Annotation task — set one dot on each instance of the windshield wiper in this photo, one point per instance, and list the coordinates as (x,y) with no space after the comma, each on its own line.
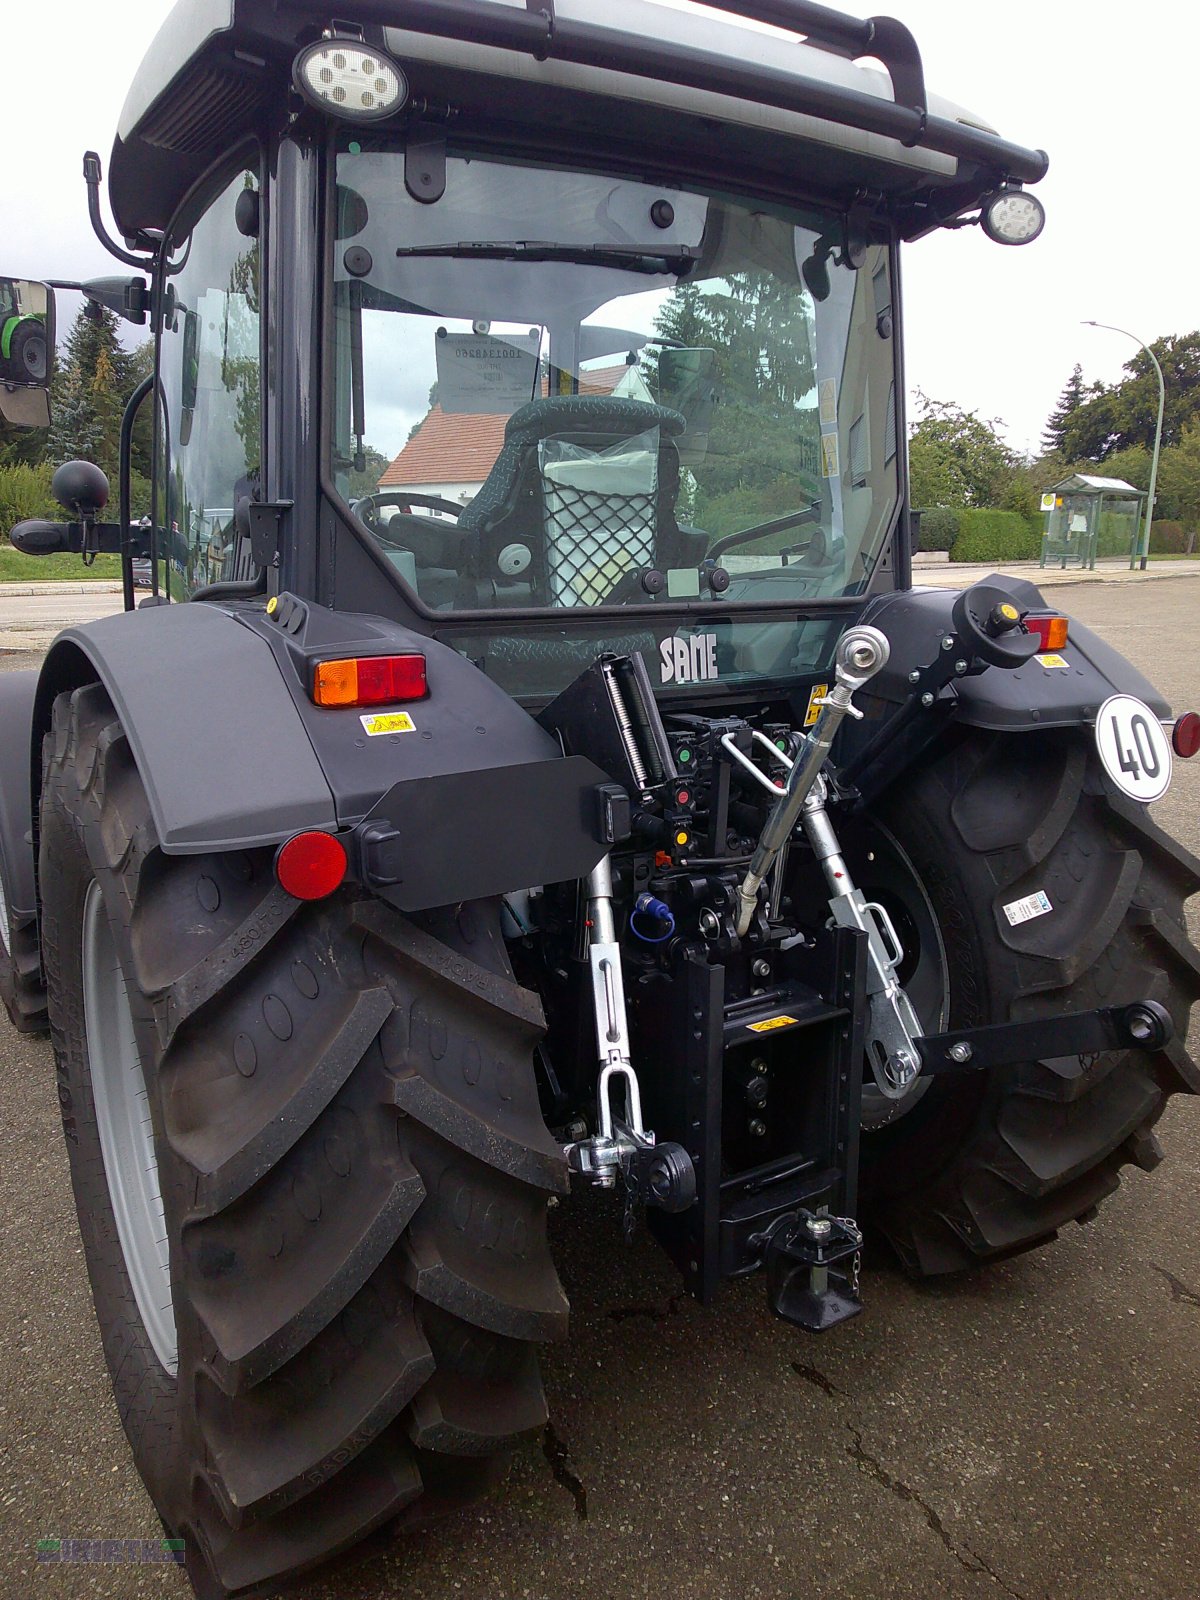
(678,261)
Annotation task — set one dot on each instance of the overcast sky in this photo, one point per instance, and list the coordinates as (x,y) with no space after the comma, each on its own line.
(1110,93)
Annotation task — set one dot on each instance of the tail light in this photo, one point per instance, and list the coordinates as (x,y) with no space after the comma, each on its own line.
(369,681)
(1052,631)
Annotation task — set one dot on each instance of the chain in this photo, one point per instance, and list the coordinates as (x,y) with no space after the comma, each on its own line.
(630,1220)
(855,1232)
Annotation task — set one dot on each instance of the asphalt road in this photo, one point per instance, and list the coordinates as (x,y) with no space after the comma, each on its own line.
(1033,1433)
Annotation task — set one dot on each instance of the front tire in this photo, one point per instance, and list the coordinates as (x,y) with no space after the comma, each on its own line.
(353,1172)
(988,1164)
(28,355)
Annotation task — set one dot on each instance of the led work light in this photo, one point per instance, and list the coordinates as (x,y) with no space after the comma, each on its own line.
(350,80)
(1013,217)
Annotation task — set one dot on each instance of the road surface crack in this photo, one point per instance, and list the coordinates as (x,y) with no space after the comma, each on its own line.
(816,1377)
(559,1457)
(966,1558)
(1181,1295)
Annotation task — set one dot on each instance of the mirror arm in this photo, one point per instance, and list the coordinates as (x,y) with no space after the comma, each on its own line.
(38,536)
(91,176)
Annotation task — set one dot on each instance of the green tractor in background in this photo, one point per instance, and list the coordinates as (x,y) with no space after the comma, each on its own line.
(24,349)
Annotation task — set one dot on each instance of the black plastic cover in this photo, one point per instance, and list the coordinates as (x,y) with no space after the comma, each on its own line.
(1029,696)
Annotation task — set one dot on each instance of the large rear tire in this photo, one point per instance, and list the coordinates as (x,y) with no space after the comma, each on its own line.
(22,987)
(340,1326)
(988,1164)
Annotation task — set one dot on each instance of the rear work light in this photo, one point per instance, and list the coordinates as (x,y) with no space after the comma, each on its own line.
(1185,735)
(1052,631)
(369,681)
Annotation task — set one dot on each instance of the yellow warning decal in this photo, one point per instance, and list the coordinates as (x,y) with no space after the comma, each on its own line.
(388,722)
(819,691)
(1053,661)
(772,1023)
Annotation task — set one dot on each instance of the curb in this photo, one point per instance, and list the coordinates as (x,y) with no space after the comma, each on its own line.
(66,586)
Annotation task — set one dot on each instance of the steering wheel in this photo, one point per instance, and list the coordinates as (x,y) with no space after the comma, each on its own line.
(793,519)
(370,505)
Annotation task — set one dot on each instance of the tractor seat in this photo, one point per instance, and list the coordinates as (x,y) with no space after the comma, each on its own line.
(581,495)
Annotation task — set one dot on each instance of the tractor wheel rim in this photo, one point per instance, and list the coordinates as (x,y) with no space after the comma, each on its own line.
(126,1130)
(928,987)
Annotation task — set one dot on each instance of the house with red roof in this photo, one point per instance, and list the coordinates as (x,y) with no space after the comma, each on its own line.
(451,453)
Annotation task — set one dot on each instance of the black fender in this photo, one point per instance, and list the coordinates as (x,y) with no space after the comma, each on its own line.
(18,691)
(475,798)
(1029,696)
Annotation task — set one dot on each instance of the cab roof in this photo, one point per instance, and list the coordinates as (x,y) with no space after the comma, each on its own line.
(782,75)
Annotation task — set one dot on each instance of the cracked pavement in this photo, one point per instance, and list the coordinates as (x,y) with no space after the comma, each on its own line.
(1029,1434)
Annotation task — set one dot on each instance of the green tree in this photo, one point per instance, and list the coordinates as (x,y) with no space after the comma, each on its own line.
(1069,401)
(1116,417)
(762,456)
(94,380)
(1179,481)
(375,464)
(958,456)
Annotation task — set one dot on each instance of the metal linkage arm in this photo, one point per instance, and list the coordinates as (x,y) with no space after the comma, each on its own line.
(861,652)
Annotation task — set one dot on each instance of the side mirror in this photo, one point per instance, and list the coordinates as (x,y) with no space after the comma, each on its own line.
(26,351)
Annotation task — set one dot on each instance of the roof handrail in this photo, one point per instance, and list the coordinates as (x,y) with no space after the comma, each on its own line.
(539,33)
(885,38)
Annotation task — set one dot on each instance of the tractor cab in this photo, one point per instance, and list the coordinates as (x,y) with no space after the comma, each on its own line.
(533,767)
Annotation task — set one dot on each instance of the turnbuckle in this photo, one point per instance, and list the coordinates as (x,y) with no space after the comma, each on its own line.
(654,1174)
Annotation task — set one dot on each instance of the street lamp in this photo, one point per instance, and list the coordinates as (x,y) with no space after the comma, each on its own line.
(1162,400)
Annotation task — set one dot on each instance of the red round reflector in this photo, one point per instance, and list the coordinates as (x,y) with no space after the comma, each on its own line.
(1185,736)
(311,865)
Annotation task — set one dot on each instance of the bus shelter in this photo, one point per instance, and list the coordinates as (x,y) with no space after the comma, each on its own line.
(1086,517)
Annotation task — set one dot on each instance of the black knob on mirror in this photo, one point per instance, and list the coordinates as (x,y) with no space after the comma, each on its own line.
(81,487)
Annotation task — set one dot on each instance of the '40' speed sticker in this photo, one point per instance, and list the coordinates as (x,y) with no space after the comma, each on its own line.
(1133,747)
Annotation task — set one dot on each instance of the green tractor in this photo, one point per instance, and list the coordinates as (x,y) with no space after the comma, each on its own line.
(587,799)
(24,352)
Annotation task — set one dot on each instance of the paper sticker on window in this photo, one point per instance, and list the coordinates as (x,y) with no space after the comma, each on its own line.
(486,374)
(829,455)
(1033,905)
(827,389)
(388,722)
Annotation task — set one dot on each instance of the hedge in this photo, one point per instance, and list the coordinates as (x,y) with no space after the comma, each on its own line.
(1167,539)
(24,492)
(986,535)
(939,528)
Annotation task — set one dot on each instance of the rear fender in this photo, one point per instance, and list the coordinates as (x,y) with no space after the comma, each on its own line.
(473,797)
(1031,696)
(18,691)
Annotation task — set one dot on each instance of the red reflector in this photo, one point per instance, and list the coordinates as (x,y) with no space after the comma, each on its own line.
(310,865)
(1052,631)
(1185,736)
(369,680)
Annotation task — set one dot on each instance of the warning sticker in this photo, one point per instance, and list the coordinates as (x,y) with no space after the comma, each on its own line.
(388,722)
(819,691)
(827,391)
(1053,661)
(829,455)
(771,1023)
(1033,905)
